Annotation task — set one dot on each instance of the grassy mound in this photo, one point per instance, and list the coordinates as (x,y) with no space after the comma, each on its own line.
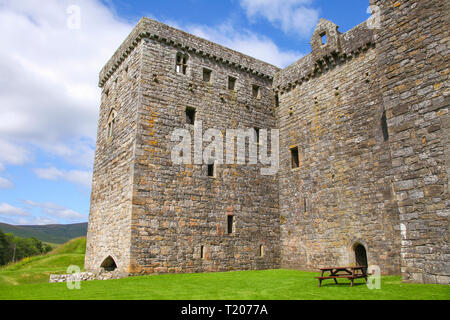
(37,269)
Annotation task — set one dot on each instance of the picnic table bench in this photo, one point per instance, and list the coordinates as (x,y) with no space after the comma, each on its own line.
(350,273)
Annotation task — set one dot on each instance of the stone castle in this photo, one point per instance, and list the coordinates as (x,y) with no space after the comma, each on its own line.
(364,152)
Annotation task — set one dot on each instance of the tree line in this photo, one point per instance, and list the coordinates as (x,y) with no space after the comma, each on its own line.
(14,248)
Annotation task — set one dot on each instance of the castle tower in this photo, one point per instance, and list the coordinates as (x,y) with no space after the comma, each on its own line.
(153,216)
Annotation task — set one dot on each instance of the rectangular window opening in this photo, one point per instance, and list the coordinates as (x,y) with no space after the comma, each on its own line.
(261,250)
(277,100)
(231,83)
(202,252)
(211,170)
(257,134)
(207,75)
(323,36)
(384,127)
(190,115)
(256,91)
(181,64)
(295,160)
(230,220)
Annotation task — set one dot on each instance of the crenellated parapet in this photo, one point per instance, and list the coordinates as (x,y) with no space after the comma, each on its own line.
(329,48)
(151,29)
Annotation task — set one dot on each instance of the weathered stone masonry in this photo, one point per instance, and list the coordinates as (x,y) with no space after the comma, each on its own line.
(367,112)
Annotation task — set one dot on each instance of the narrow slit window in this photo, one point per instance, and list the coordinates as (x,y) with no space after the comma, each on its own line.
(181,64)
(277,100)
(111,123)
(231,83)
(261,250)
(384,126)
(207,75)
(295,160)
(190,115)
(202,252)
(257,134)
(230,220)
(256,91)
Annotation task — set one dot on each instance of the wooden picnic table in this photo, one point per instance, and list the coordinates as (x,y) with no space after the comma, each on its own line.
(350,273)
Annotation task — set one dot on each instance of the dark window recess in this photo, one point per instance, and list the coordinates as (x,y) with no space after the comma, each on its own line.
(202,252)
(231,83)
(261,250)
(256,91)
(207,75)
(257,134)
(384,126)
(190,115)
(295,161)
(277,100)
(210,170)
(230,224)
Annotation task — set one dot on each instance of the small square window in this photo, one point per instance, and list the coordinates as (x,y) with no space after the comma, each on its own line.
(190,115)
(231,83)
(256,91)
(295,160)
(207,75)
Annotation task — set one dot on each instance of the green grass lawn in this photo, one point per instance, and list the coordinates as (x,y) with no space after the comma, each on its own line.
(29,280)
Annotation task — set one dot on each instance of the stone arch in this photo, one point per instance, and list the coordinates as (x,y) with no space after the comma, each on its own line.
(360,254)
(109,264)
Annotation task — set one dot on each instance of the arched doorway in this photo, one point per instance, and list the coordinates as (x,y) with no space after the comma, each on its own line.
(109,264)
(360,255)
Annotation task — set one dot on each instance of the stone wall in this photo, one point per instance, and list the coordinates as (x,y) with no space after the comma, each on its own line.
(413,70)
(341,194)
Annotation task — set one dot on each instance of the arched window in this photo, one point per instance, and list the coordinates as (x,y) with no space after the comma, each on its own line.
(109,264)
(181,65)
(111,123)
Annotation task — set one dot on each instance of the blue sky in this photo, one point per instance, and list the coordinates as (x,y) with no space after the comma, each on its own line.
(49,97)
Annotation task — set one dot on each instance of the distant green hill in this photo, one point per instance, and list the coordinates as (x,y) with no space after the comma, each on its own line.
(53,233)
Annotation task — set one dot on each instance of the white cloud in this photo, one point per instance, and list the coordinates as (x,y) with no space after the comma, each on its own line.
(48,89)
(244,41)
(56,210)
(83,178)
(291,16)
(11,211)
(6,184)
